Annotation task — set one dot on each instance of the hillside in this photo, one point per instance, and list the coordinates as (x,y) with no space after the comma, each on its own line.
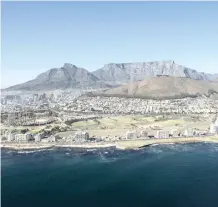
(165,87)
(68,76)
(125,72)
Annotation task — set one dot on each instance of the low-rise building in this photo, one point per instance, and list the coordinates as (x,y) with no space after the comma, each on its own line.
(189,133)
(144,134)
(174,133)
(23,137)
(131,135)
(81,136)
(52,139)
(46,140)
(162,134)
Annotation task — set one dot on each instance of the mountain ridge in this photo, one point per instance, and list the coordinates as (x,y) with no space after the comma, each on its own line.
(125,72)
(68,76)
(110,75)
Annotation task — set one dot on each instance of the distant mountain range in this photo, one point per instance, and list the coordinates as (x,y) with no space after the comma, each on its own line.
(111,75)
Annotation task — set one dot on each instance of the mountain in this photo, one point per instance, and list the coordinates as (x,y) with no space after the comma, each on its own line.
(165,87)
(126,72)
(111,75)
(68,76)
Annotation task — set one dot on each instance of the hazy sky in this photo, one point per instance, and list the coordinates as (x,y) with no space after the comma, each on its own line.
(37,36)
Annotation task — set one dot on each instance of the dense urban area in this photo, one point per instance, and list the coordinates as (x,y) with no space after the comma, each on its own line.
(45,117)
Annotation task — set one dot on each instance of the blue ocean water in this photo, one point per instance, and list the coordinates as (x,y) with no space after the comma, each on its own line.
(170,175)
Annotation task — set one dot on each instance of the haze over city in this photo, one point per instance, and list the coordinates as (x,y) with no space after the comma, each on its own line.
(89,35)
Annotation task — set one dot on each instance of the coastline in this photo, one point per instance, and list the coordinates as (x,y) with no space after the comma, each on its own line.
(124,144)
(136,144)
(27,146)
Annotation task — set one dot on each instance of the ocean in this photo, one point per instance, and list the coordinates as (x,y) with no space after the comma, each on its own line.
(184,175)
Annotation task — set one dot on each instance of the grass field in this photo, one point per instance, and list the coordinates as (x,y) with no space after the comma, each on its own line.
(118,125)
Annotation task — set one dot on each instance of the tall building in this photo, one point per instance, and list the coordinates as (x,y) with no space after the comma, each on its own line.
(214,126)
(216,122)
(11,137)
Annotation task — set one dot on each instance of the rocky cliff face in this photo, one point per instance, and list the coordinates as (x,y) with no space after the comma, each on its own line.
(68,76)
(126,72)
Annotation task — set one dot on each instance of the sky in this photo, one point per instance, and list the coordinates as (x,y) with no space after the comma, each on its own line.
(38,36)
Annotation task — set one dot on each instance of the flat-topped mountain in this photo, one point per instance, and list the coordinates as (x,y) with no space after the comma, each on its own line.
(68,76)
(125,72)
(165,87)
(111,75)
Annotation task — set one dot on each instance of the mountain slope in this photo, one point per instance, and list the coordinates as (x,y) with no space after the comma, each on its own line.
(126,72)
(165,87)
(68,76)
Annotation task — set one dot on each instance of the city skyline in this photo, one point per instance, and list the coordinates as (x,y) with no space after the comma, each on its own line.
(91,34)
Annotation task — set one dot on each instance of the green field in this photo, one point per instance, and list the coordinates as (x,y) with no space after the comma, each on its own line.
(118,125)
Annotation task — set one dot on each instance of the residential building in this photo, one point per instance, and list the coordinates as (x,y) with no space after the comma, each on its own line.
(131,135)
(162,134)
(189,133)
(144,133)
(11,137)
(38,137)
(174,133)
(81,136)
(23,137)
(52,139)
(213,128)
